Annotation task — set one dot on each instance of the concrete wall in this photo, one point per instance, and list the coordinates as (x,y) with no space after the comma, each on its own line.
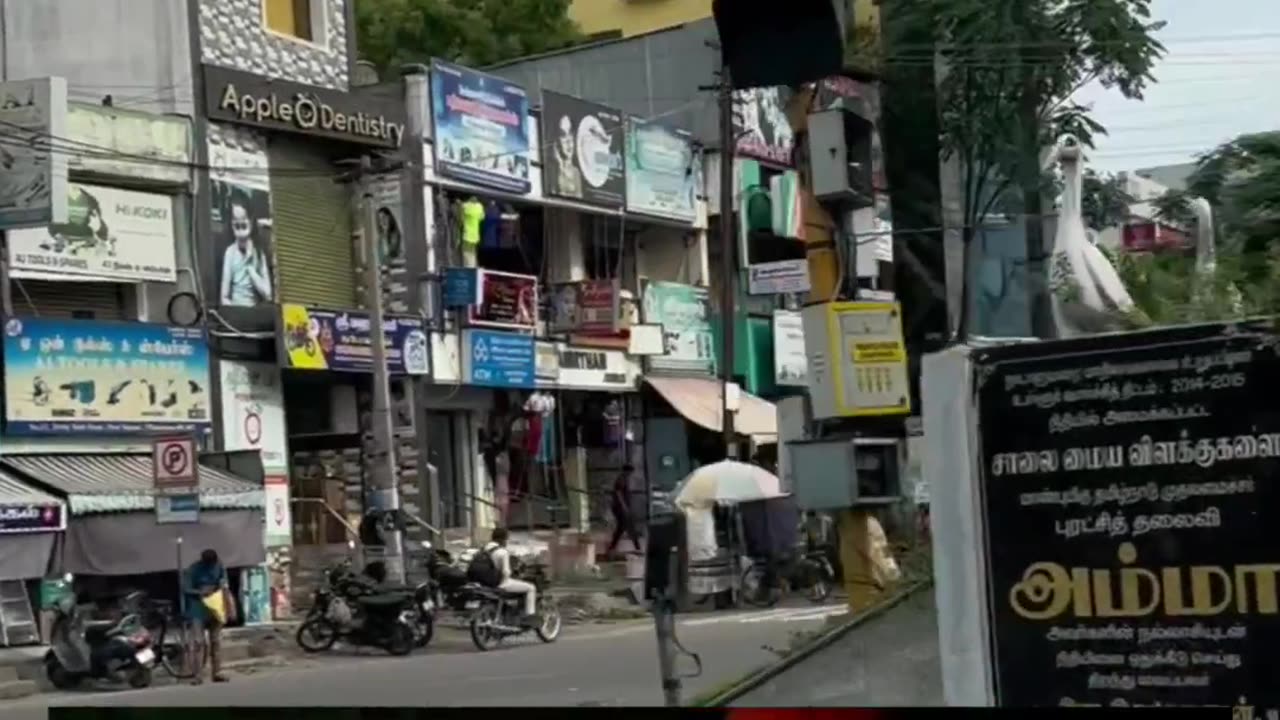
(232,35)
(143,62)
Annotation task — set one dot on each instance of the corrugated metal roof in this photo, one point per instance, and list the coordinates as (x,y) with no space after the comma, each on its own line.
(122,483)
(15,492)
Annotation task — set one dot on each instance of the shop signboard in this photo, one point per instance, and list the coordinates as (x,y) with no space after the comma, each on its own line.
(593,308)
(596,369)
(365,118)
(126,136)
(1130,519)
(33,186)
(782,276)
(32,517)
(684,312)
(663,172)
(111,235)
(253,419)
(339,340)
(499,359)
(81,377)
(583,157)
(546,363)
(506,300)
(461,287)
(481,128)
(790,363)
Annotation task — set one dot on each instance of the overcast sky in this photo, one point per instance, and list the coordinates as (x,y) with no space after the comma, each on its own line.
(1221,78)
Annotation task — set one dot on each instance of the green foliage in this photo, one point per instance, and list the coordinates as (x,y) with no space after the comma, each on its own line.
(472,32)
(1241,180)
(1104,203)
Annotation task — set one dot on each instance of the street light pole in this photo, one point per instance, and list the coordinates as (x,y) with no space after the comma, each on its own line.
(728,260)
(385,496)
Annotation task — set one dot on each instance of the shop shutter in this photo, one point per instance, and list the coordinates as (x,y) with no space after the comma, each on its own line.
(87,300)
(311,227)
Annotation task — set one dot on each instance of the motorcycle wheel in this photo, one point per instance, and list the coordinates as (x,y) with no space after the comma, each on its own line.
(424,629)
(484,632)
(401,640)
(140,677)
(819,591)
(548,629)
(60,677)
(316,635)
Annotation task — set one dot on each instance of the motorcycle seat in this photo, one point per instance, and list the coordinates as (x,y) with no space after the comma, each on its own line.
(382,600)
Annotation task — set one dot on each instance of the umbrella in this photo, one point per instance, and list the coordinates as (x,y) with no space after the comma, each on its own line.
(726,481)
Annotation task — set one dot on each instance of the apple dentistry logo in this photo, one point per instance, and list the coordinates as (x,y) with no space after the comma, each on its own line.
(13,328)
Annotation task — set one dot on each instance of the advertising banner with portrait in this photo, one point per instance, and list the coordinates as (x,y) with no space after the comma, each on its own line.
(663,173)
(684,312)
(506,300)
(91,377)
(583,156)
(241,207)
(481,128)
(318,339)
(1126,485)
(761,126)
(110,235)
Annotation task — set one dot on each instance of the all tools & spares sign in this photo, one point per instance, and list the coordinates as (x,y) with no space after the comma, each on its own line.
(1131,508)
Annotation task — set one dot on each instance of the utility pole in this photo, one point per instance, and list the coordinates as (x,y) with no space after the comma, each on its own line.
(385,495)
(728,259)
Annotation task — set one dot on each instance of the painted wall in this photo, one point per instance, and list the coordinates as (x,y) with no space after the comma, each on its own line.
(232,35)
(137,51)
(632,18)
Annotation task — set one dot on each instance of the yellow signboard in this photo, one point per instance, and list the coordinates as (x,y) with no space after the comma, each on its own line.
(870,368)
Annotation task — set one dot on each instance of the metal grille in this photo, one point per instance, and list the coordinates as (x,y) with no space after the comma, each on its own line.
(87,300)
(311,228)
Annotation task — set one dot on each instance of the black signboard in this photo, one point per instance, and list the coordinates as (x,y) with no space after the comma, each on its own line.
(1131,504)
(582,154)
(30,518)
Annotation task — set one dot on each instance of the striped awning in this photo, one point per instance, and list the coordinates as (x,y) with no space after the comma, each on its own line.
(15,493)
(123,483)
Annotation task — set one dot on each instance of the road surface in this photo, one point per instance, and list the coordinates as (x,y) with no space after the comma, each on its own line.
(609,665)
(891,660)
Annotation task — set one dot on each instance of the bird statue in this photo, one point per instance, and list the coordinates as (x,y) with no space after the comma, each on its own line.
(1087,294)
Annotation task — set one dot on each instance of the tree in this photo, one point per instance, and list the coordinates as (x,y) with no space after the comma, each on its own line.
(471,32)
(1104,203)
(1007,70)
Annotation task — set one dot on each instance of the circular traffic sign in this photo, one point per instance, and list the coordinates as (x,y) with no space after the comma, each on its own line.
(174,459)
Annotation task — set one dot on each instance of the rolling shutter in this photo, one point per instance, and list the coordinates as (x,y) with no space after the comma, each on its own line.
(85,300)
(311,227)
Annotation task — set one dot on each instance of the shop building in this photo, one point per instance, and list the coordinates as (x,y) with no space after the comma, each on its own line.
(570,213)
(282,126)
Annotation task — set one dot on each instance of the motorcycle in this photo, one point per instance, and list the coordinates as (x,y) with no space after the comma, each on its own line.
(355,610)
(84,649)
(452,590)
(500,613)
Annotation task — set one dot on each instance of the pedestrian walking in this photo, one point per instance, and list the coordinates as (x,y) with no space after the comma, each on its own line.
(208,607)
(620,505)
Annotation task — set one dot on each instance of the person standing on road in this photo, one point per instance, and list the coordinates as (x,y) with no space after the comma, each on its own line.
(497,551)
(620,505)
(205,577)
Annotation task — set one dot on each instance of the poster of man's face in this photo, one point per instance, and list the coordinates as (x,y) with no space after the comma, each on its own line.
(242,228)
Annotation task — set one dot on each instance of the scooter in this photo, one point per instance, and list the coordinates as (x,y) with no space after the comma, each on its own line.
(83,649)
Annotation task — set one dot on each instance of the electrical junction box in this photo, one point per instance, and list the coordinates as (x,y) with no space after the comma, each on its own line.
(842,473)
(840,156)
(857,360)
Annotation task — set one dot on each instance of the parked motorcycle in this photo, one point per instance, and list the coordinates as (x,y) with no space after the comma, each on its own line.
(452,589)
(84,649)
(355,610)
(500,614)
(810,571)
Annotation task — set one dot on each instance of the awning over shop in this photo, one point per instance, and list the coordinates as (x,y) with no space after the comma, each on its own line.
(123,483)
(29,522)
(699,401)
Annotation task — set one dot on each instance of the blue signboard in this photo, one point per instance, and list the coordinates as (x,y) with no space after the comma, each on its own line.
(461,287)
(91,377)
(499,359)
(481,128)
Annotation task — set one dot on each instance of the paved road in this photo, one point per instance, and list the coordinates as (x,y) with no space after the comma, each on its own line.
(892,660)
(612,665)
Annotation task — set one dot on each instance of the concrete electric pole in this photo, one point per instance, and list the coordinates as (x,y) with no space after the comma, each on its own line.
(384,494)
(728,260)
